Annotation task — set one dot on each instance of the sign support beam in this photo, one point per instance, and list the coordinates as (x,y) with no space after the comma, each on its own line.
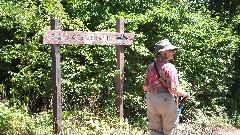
(120,69)
(56,82)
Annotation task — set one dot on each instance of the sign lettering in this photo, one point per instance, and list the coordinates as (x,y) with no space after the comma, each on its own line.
(92,38)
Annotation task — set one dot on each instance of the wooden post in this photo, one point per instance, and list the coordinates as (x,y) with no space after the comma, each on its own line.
(56,82)
(120,69)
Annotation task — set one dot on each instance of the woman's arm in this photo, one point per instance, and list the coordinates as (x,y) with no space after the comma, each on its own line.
(179,92)
(145,88)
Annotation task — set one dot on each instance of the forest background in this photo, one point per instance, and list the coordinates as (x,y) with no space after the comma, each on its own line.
(208,61)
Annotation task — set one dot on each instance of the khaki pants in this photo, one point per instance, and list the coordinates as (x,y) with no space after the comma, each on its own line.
(161,112)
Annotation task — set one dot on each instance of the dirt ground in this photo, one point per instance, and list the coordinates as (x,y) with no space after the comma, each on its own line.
(185,129)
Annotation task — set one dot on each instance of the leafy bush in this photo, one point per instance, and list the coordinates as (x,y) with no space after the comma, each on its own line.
(208,58)
(14,121)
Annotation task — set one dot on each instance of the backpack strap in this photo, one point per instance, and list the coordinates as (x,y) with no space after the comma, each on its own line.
(160,78)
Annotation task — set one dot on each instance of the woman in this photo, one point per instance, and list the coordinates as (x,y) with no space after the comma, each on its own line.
(161,106)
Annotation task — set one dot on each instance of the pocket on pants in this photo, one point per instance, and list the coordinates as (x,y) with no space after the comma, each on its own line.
(174,109)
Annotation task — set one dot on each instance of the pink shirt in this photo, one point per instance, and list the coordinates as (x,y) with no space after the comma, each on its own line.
(167,71)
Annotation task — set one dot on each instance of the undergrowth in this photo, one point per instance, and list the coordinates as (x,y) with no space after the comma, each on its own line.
(15,121)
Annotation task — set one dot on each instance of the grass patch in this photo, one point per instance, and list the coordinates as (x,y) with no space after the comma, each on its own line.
(15,121)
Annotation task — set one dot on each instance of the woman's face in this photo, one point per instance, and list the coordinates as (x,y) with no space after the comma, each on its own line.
(169,54)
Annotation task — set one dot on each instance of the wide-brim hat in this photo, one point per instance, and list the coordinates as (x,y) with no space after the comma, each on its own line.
(164,45)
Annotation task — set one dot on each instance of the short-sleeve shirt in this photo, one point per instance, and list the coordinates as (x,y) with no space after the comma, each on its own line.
(167,71)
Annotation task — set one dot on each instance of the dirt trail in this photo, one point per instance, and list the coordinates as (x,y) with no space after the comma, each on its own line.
(185,129)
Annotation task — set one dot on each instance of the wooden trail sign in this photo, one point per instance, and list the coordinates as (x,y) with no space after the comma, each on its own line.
(55,37)
(91,38)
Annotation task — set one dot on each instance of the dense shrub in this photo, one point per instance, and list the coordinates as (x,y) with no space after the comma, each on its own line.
(207,59)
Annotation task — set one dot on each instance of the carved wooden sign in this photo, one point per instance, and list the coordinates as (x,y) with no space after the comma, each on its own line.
(55,37)
(91,38)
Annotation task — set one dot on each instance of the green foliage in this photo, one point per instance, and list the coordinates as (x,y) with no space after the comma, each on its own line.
(4,117)
(26,63)
(14,121)
(208,58)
